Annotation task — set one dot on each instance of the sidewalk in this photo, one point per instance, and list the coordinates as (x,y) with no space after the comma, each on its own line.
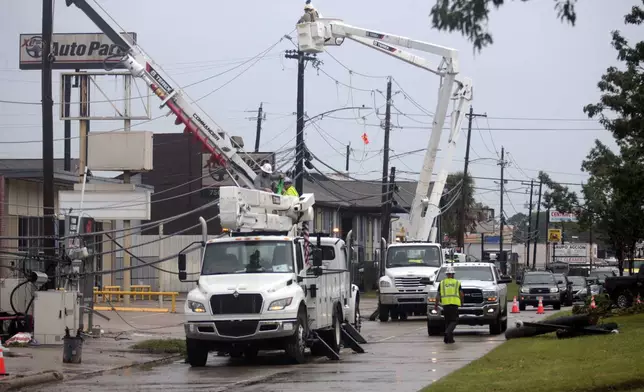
(26,365)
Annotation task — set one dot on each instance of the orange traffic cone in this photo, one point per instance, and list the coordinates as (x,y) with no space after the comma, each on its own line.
(3,370)
(592,302)
(515,306)
(540,307)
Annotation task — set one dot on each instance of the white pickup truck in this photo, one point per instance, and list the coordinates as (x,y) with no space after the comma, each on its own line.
(255,292)
(409,268)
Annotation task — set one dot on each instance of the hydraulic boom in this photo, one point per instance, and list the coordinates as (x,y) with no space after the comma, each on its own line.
(314,36)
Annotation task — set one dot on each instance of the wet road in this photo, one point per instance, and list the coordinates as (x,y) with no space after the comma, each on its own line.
(400,356)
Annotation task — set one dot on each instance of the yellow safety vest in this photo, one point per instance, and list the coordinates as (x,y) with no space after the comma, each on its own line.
(450,290)
(291,192)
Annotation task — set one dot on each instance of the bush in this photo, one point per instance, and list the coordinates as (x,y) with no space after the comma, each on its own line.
(604,308)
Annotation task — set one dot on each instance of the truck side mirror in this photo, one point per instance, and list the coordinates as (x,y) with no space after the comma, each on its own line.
(181,261)
(317,257)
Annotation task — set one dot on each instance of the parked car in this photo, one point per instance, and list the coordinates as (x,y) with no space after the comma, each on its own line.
(578,287)
(539,284)
(565,289)
(624,289)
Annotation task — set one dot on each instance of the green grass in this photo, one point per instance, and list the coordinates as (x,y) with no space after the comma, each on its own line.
(546,364)
(161,346)
(513,290)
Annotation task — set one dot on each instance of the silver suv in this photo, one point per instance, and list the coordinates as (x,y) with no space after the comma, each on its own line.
(486,298)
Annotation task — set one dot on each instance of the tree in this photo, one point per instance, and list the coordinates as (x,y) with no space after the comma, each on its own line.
(474,211)
(622,90)
(470,17)
(614,202)
(557,196)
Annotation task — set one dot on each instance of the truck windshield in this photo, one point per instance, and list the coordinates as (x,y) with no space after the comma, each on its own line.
(469,273)
(577,280)
(253,257)
(539,279)
(414,256)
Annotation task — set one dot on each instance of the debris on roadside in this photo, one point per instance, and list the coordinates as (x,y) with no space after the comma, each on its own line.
(564,327)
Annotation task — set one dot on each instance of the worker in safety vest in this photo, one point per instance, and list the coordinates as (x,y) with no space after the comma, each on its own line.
(450,296)
(289,189)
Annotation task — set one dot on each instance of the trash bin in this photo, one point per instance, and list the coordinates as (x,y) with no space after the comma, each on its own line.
(72,349)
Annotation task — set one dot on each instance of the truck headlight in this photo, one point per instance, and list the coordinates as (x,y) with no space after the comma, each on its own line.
(525,290)
(196,307)
(490,296)
(280,304)
(384,284)
(554,289)
(431,298)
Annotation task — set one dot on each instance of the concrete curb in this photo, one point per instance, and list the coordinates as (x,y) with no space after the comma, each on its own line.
(30,379)
(50,376)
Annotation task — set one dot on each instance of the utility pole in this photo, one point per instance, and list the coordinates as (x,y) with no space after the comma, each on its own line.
(385,164)
(258,134)
(48,144)
(530,224)
(127,240)
(536,240)
(503,261)
(464,195)
(300,149)
(348,155)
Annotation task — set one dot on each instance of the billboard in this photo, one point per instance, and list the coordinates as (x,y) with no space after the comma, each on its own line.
(218,176)
(571,250)
(72,51)
(558,217)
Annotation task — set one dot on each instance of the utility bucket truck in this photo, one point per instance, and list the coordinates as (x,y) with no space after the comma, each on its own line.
(258,289)
(407,268)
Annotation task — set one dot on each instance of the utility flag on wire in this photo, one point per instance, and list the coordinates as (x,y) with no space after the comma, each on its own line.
(365,138)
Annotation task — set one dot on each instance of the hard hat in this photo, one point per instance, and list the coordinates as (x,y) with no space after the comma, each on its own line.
(450,270)
(308,7)
(287,180)
(267,168)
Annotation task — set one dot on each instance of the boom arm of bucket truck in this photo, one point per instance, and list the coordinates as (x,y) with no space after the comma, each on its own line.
(314,36)
(240,208)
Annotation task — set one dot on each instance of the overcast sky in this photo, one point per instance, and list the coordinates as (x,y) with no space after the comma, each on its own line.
(532,83)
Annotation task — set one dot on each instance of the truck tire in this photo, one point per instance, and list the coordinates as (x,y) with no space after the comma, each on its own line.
(624,299)
(197,353)
(496,327)
(296,344)
(434,329)
(334,337)
(383,313)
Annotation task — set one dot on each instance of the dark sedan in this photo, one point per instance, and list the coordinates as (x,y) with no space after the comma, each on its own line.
(538,284)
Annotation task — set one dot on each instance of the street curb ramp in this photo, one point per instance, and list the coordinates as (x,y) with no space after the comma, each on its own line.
(30,379)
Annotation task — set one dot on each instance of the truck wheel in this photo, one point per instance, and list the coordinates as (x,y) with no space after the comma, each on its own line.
(197,353)
(334,337)
(296,344)
(624,300)
(383,313)
(435,330)
(496,328)
(394,314)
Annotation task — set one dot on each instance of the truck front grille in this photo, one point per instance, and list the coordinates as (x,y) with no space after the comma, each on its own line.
(408,282)
(473,296)
(540,290)
(236,328)
(240,304)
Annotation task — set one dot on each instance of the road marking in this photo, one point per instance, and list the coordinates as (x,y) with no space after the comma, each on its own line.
(396,336)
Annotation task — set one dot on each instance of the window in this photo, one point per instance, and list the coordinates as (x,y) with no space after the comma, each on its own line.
(237,257)
(299,259)
(539,279)
(328,253)
(414,256)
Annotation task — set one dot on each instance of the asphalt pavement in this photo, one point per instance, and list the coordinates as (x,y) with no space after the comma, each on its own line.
(400,356)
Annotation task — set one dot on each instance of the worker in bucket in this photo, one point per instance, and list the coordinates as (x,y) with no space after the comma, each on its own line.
(310,14)
(289,189)
(450,296)
(264,181)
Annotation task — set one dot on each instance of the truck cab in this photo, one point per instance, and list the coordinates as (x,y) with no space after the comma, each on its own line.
(257,293)
(409,268)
